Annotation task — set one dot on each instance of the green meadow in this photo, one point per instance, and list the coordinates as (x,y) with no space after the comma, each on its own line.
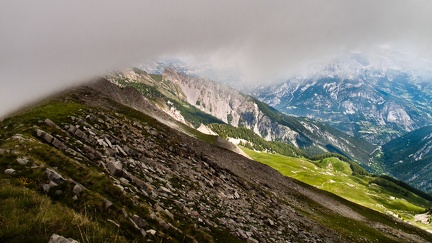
(335,176)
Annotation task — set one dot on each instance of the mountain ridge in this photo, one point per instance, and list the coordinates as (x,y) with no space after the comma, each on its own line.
(237,109)
(375,101)
(410,157)
(148,181)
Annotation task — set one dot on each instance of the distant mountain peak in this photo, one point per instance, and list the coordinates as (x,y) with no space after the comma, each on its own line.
(380,64)
(377,97)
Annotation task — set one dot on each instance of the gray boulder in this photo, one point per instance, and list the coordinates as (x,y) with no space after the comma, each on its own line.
(54,176)
(51,124)
(108,203)
(77,189)
(58,144)
(22,161)
(91,153)
(55,238)
(10,171)
(81,134)
(45,136)
(47,187)
(140,222)
(72,129)
(115,167)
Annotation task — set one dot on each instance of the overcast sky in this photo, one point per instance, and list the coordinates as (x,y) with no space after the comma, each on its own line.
(49,45)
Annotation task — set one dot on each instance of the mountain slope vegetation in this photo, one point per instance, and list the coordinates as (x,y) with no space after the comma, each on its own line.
(117,168)
(183,97)
(409,157)
(381,193)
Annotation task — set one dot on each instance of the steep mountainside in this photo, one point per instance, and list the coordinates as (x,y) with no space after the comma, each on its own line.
(409,158)
(87,164)
(377,100)
(178,91)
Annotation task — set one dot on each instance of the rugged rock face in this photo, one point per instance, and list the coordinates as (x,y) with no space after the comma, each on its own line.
(165,185)
(230,106)
(363,99)
(237,109)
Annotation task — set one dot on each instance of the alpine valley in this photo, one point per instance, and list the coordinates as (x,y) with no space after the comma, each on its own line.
(168,156)
(384,99)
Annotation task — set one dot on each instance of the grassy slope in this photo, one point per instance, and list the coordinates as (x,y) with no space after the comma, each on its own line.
(334,176)
(30,217)
(27,214)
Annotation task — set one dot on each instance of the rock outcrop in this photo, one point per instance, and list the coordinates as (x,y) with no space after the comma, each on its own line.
(55,238)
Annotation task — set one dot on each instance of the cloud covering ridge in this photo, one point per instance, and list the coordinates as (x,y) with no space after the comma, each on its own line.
(49,45)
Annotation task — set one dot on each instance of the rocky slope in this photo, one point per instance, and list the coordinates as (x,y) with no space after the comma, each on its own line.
(127,173)
(377,99)
(409,157)
(239,110)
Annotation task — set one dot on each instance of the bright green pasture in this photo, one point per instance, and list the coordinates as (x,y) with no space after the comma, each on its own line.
(334,175)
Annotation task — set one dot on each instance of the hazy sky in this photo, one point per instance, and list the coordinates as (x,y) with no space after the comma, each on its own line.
(49,45)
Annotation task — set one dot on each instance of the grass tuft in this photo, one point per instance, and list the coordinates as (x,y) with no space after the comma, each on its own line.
(26,216)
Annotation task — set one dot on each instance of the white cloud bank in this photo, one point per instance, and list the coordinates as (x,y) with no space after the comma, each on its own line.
(49,45)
